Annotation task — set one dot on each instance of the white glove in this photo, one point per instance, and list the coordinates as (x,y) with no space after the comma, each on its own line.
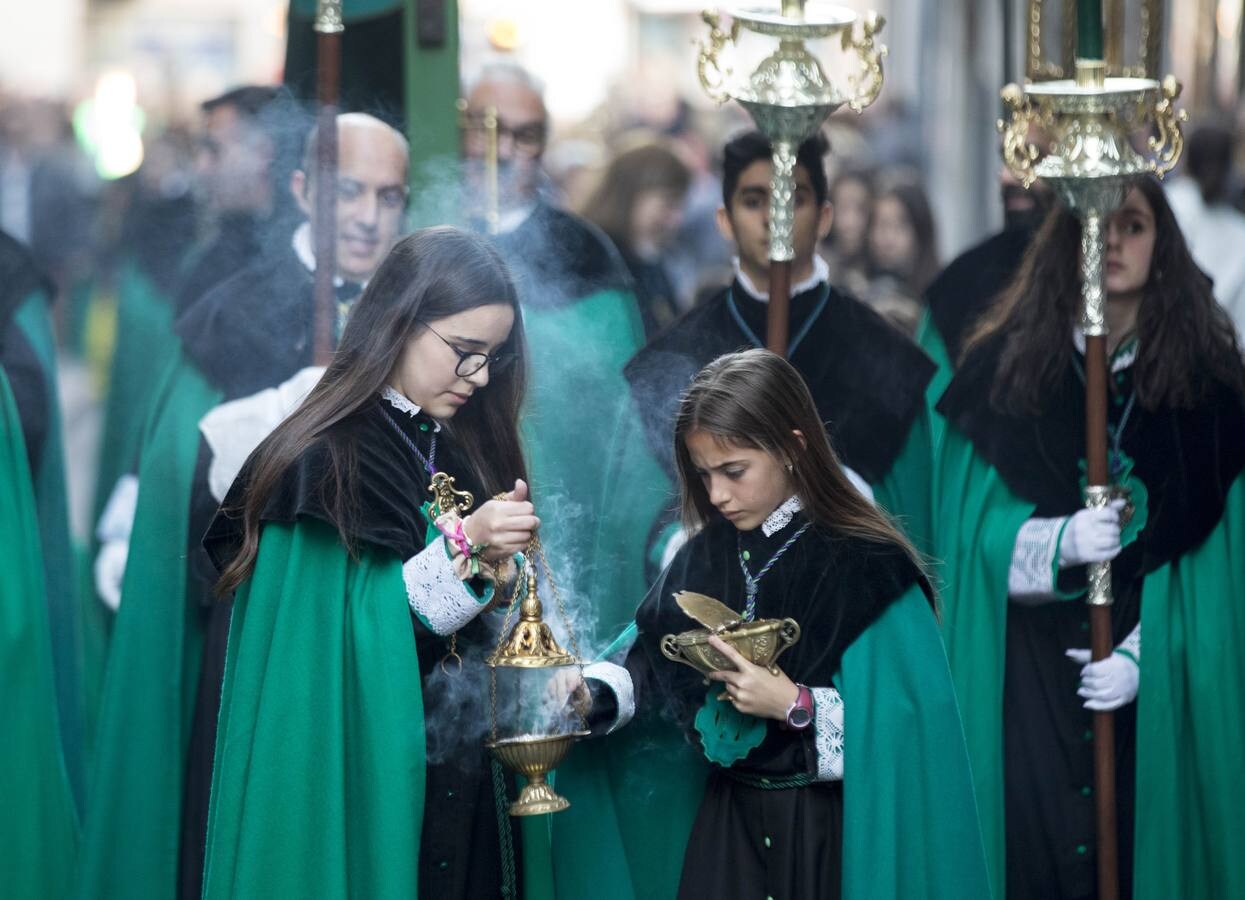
(109,572)
(1109,683)
(1091,535)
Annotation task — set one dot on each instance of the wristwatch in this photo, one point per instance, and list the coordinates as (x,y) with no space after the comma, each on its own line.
(800,713)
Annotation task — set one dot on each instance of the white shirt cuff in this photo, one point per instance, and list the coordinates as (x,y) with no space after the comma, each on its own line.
(440,599)
(618,680)
(117,520)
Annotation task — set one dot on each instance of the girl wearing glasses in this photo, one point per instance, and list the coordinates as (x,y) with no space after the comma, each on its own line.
(358,592)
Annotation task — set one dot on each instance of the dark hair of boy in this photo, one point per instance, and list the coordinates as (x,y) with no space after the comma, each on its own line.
(742,151)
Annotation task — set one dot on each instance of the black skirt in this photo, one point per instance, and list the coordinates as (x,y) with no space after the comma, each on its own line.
(755,843)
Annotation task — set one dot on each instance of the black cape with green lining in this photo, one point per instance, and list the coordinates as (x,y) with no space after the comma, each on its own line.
(673,822)
(1028,732)
(467,846)
(957,300)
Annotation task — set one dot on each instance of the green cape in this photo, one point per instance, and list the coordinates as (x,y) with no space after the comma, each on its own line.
(929,340)
(909,823)
(318,786)
(38,825)
(577,397)
(1190,821)
(145,343)
(133,824)
(65,616)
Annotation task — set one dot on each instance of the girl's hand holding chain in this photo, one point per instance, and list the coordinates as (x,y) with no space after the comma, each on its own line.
(504,526)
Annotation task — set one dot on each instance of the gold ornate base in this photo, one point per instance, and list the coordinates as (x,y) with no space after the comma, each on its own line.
(538,798)
(534,757)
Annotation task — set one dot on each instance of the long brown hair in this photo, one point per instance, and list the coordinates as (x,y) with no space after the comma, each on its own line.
(909,194)
(757,399)
(1185,341)
(648,166)
(428,275)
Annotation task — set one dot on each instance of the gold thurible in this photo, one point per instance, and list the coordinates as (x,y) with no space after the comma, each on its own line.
(530,645)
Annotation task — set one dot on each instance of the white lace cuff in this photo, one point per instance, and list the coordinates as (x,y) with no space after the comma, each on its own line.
(618,680)
(1035,558)
(117,520)
(828,733)
(438,597)
(1131,645)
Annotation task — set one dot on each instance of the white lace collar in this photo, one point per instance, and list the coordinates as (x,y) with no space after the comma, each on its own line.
(781,517)
(399,401)
(821,273)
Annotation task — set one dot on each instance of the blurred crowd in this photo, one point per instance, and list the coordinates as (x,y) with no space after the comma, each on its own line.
(646,174)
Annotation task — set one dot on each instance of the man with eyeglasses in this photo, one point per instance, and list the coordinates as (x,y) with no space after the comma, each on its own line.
(245,361)
(579,311)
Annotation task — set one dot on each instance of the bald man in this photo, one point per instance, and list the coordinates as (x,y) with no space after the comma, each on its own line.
(245,359)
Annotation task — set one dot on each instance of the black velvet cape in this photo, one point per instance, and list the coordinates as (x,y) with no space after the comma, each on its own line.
(558,258)
(971,283)
(867,379)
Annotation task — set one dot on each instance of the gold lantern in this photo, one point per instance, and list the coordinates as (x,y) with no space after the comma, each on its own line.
(532,731)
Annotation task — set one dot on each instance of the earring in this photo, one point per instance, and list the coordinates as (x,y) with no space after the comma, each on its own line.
(790,467)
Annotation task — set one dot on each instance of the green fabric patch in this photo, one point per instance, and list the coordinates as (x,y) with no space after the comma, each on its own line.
(726,734)
(318,788)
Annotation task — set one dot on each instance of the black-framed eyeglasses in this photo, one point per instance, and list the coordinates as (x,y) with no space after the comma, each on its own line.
(528,138)
(469,362)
